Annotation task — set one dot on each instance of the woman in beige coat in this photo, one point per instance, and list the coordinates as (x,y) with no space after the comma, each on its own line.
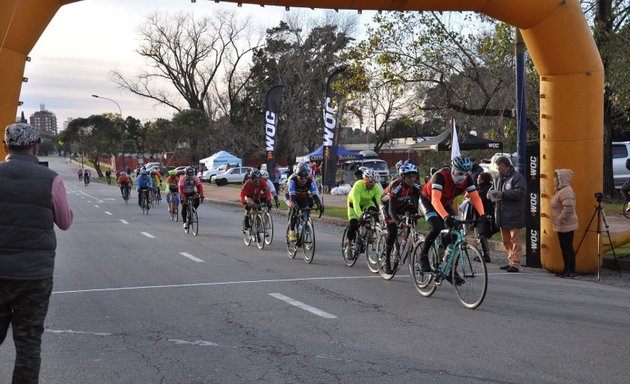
(564,218)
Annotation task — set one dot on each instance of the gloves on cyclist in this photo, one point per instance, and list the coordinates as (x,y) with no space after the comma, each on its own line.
(201,199)
(449,221)
(269,205)
(250,202)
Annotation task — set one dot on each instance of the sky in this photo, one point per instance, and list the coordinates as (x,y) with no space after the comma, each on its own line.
(87,40)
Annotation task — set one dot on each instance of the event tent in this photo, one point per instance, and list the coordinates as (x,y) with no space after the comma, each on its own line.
(442,142)
(318,155)
(220,158)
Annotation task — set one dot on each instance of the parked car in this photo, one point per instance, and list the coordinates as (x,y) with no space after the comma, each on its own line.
(206,176)
(156,165)
(620,162)
(233,175)
(380,166)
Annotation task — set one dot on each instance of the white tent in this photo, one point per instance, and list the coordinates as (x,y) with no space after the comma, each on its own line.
(220,158)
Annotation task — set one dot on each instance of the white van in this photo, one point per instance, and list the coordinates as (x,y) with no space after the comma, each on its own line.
(380,166)
(621,162)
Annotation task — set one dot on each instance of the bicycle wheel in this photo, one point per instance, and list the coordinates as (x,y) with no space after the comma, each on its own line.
(308,241)
(470,276)
(268,221)
(372,251)
(188,217)
(423,281)
(291,245)
(174,213)
(393,262)
(347,253)
(259,231)
(145,205)
(194,222)
(625,209)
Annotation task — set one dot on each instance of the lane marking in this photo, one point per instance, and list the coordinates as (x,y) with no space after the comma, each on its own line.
(124,221)
(97,206)
(191,257)
(108,212)
(79,332)
(202,343)
(150,236)
(301,305)
(192,285)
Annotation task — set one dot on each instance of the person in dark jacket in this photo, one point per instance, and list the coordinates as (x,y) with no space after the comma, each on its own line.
(32,201)
(509,195)
(485,229)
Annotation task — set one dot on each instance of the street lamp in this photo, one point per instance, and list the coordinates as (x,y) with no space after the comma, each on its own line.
(122,131)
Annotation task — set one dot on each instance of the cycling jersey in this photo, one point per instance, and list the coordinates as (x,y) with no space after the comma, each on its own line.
(259,193)
(301,191)
(144,182)
(361,198)
(441,190)
(173,183)
(189,185)
(124,180)
(403,197)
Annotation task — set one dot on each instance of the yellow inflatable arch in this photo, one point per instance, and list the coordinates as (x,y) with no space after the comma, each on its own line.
(558,39)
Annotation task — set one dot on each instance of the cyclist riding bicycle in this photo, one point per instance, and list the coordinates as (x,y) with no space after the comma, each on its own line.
(302,193)
(437,199)
(143,185)
(172,182)
(399,197)
(189,185)
(272,188)
(364,195)
(124,182)
(157,182)
(254,191)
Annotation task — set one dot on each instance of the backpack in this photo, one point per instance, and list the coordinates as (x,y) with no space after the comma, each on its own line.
(189,186)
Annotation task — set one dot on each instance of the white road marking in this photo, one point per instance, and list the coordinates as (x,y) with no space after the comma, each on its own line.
(191,257)
(124,221)
(97,206)
(150,236)
(192,285)
(301,305)
(202,343)
(108,212)
(79,332)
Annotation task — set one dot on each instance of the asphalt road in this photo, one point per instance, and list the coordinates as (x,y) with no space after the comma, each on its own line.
(136,300)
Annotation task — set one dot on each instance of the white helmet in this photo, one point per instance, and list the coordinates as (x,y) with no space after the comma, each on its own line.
(370,175)
(264,174)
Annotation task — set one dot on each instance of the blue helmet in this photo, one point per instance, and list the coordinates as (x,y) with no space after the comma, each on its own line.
(461,164)
(144,172)
(408,168)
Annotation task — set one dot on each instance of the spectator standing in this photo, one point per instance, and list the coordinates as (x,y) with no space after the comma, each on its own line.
(476,169)
(485,229)
(564,218)
(108,176)
(509,196)
(32,202)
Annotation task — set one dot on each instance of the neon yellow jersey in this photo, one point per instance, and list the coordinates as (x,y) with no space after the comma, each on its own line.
(360,198)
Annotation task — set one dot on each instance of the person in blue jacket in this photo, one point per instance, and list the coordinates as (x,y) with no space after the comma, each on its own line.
(143,184)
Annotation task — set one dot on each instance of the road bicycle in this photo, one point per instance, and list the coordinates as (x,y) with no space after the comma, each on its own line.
(145,204)
(125,193)
(408,240)
(305,235)
(268,224)
(173,205)
(256,230)
(459,263)
(155,198)
(365,241)
(191,216)
(86,180)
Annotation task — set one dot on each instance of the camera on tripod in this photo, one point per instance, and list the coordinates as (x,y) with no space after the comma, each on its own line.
(599,197)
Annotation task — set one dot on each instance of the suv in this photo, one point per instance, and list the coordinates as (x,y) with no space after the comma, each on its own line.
(620,162)
(380,166)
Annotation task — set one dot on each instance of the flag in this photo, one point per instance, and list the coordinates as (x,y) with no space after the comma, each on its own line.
(272,114)
(454,142)
(331,133)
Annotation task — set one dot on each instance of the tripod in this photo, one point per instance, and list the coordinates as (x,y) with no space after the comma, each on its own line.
(601,216)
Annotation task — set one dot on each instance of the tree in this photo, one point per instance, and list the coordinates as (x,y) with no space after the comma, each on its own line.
(187,55)
(94,135)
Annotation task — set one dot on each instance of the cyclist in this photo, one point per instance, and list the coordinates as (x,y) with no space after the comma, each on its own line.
(86,177)
(364,195)
(124,182)
(143,185)
(400,196)
(172,182)
(157,183)
(254,191)
(189,185)
(272,188)
(302,193)
(437,199)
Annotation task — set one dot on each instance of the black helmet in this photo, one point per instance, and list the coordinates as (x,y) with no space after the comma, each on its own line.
(190,171)
(255,175)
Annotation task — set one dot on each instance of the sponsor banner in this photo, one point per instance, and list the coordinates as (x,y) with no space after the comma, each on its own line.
(272,114)
(331,132)
(532,222)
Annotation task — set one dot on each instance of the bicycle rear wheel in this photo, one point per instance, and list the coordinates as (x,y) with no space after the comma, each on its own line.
(194,222)
(626,209)
(372,251)
(308,241)
(268,221)
(174,211)
(382,259)
(291,245)
(347,252)
(423,281)
(259,231)
(470,276)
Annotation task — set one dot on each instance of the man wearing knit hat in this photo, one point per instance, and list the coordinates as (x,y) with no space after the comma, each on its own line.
(33,199)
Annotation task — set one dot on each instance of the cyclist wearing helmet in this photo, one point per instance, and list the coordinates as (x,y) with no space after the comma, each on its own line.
(399,197)
(437,199)
(270,186)
(124,182)
(172,182)
(254,191)
(302,193)
(143,184)
(364,195)
(157,182)
(189,185)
